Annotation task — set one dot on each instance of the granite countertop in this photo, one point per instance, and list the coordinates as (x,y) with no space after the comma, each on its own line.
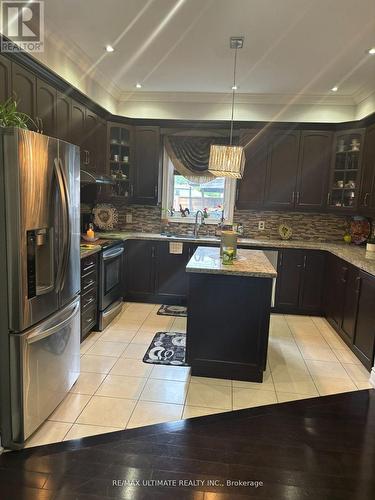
(251,263)
(350,253)
(87,250)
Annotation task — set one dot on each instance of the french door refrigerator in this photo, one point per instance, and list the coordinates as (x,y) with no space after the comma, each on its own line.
(39,278)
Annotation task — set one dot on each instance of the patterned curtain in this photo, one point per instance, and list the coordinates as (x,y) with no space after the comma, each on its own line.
(190,155)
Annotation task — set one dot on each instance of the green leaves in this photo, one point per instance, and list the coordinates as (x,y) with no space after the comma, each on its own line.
(10,117)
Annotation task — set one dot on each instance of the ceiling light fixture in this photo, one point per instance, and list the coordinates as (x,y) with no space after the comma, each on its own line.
(229,161)
(334,89)
(371,51)
(138,85)
(109,48)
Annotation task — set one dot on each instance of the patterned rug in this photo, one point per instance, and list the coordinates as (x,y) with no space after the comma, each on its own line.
(172,310)
(167,348)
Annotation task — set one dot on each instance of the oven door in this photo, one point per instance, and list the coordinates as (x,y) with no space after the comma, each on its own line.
(111,271)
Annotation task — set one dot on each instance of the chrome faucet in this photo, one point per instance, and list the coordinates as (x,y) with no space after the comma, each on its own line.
(197,226)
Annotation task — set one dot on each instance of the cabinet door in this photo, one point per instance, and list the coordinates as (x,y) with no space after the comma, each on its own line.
(140,269)
(311,291)
(64,117)
(147,160)
(171,276)
(5,79)
(288,280)
(335,287)
(364,338)
(90,144)
(101,147)
(282,166)
(367,196)
(24,91)
(351,302)
(250,189)
(78,128)
(313,170)
(46,107)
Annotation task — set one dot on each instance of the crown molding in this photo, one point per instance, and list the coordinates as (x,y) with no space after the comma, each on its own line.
(81,59)
(226,98)
(363,94)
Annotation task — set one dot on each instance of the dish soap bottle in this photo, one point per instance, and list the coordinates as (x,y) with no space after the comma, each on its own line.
(90,232)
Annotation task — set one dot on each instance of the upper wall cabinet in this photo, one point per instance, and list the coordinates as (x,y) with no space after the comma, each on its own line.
(313,170)
(46,97)
(147,164)
(24,92)
(64,117)
(367,196)
(345,175)
(250,190)
(5,79)
(282,167)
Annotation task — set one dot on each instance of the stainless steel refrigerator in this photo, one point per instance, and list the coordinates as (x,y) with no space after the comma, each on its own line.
(39,278)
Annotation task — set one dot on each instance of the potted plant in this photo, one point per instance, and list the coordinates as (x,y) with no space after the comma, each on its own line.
(10,117)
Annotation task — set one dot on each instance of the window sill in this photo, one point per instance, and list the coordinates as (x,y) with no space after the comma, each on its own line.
(191,220)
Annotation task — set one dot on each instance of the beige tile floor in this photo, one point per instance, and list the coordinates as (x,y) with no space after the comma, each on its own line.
(116,390)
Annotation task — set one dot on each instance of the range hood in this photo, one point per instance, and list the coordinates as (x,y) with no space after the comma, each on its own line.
(94,178)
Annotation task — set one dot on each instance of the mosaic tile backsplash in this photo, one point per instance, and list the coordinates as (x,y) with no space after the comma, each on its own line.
(306,226)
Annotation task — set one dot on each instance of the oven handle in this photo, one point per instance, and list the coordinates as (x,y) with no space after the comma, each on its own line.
(112,254)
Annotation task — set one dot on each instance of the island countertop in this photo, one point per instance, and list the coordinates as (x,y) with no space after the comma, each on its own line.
(251,263)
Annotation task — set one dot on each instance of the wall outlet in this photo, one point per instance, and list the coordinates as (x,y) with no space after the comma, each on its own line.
(129,218)
(261,225)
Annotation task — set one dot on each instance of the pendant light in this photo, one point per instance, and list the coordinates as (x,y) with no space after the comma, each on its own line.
(229,161)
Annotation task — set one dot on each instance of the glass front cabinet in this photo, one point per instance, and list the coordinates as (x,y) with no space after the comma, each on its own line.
(120,159)
(346,170)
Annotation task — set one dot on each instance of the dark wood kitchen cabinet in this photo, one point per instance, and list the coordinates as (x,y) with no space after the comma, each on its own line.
(250,189)
(24,92)
(171,276)
(46,112)
(335,290)
(64,117)
(350,280)
(147,163)
(346,167)
(90,143)
(282,167)
(5,79)
(364,338)
(300,281)
(367,196)
(77,128)
(89,294)
(313,169)
(140,270)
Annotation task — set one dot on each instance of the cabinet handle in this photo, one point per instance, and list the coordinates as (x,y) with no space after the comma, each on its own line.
(293,196)
(358,287)
(156,191)
(281,259)
(297,200)
(131,190)
(329,198)
(344,274)
(41,126)
(153,252)
(365,199)
(237,191)
(304,262)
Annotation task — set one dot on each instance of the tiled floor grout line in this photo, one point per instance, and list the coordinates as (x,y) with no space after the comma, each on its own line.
(304,361)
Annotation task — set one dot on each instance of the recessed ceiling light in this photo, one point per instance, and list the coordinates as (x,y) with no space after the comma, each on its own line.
(109,48)
(138,85)
(334,89)
(371,51)
(234,87)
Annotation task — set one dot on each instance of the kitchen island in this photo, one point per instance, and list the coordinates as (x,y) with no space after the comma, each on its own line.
(228,314)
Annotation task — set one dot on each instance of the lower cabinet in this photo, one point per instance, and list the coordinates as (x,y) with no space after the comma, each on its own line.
(350,307)
(300,281)
(89,294)
(155,274)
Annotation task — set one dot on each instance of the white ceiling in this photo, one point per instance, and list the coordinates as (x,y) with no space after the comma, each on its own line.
(291,46)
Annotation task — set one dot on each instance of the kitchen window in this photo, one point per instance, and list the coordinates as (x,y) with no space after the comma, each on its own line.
(213,195)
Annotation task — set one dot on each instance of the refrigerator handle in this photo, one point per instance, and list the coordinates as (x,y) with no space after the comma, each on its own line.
(62,193)
(67,225)
(35,337)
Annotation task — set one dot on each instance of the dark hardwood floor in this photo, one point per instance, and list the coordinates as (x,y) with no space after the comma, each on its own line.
(320,448)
